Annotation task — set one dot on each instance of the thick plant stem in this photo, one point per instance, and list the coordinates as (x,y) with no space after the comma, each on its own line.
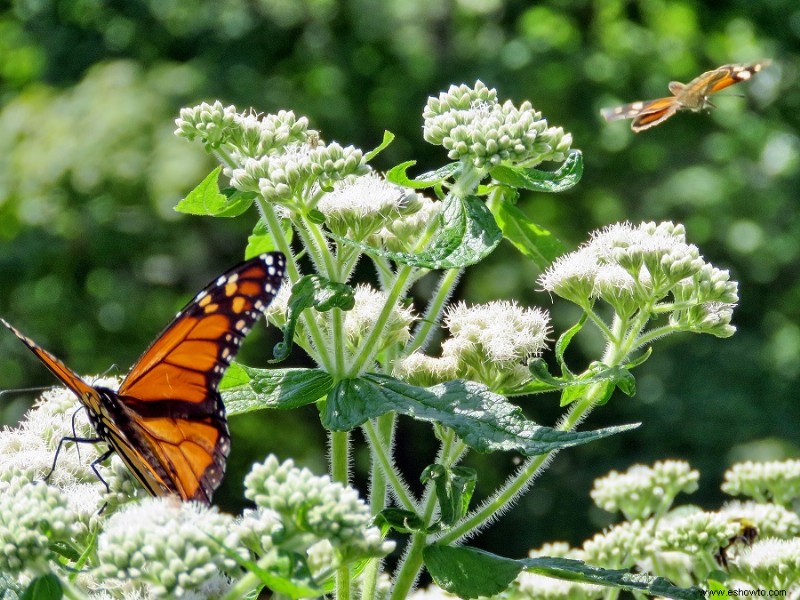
(340,472)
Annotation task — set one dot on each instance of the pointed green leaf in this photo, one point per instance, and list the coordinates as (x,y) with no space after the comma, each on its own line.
(44,587)
(485,421)
(454,488)
(565,177)
(388,137)
(275,388)
(563,343)
(207,199)
(533,241)
(311,291)
(576,570)
(234,376)
(469,573)
(601,390)
(467,235)
(403,521)
(397,175)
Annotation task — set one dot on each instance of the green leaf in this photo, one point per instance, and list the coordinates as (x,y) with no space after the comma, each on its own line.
(44,587)
(533,241)
(454,488)
(640,359)
(563,343)
(388,137)
(599,389)
(469,573)
(235,376)
(626,382)
(400,520)
(312,291)
(261,240)
(567,175)
(576,570)
(276,388)
(485,421)
(207,199)
(467,235)
(397,175)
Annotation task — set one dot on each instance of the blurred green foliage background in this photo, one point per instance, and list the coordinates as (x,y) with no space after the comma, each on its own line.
(94,261)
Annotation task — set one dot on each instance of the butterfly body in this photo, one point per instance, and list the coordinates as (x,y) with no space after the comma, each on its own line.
(167,420)
(692,96)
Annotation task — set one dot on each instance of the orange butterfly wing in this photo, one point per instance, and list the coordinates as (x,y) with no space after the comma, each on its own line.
(645,114)
(167,421)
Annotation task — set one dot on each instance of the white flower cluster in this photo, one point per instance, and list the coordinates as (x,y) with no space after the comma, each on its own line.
(172,546)
(475,128)
(636,268)
(777,481)
(642,490)
(490,343)
(360,206)
(275,155)
(244,134)
(312,509)
(770,564)
(33,517)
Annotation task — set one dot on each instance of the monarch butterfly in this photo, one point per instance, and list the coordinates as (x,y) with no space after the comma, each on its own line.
(167,421)
(685,96)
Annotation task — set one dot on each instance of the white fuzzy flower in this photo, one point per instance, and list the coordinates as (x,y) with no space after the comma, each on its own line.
(362,319)
(359,206)
(502,332)
(770,564)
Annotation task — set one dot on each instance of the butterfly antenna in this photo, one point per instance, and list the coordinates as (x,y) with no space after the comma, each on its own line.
(25,390)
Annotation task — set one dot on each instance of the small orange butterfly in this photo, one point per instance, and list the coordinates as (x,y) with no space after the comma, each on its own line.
(685,96)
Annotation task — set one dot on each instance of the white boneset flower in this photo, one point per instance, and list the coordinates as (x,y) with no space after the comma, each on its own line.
(359,206)
(501,332)
(643,491)
(211,123)
(770,564)
(778,481)
(657,262)
(361,320)
(698,533)
(424,371)
(475,128)
(621,546)
(402,234)
(176,547)
(33,517)
(771,520)
(310,504)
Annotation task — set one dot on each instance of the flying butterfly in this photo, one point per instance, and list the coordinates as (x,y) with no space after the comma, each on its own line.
(685,96)
(167,421)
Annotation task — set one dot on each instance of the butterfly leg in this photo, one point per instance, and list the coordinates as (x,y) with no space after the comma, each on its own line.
(77,440)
